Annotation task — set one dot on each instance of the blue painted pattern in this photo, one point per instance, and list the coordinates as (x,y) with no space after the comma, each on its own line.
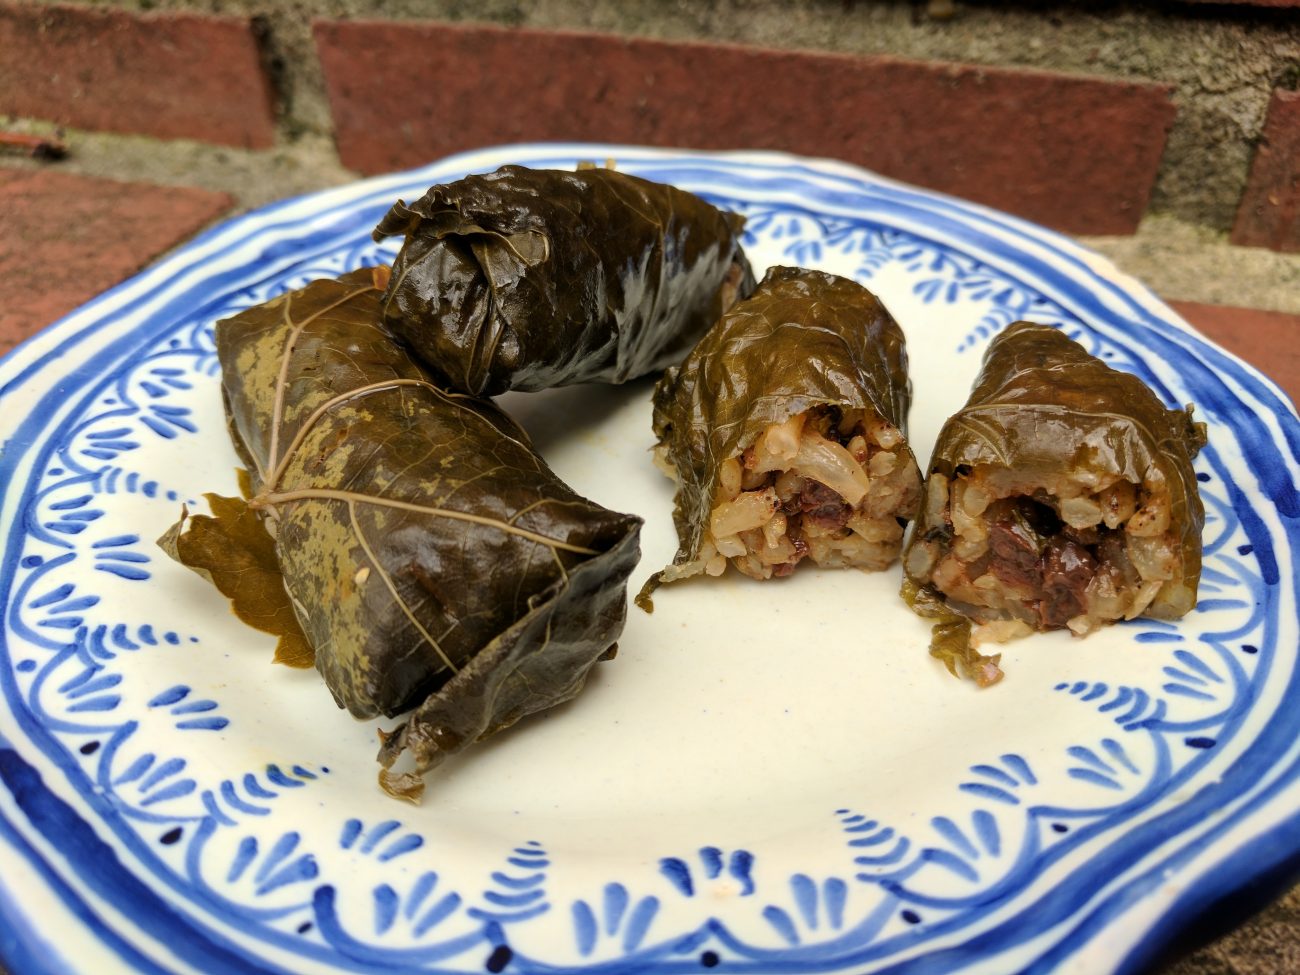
(930,894)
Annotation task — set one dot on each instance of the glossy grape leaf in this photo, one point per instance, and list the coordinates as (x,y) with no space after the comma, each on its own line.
(803,339)
(232,549)
(531,278)
(1043,406)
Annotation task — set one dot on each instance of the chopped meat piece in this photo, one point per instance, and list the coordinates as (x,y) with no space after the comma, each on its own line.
(823,507)
(1015,554)
(1067,569)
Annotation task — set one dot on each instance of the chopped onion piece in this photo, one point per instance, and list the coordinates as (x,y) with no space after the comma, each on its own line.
(781,552)
(788,485)
(876,529)
(920,559)
(882,463)
(975,499)
(749,510)
(1080,512)
(1151,519)
(999,631)
(1154,558)
(883,432)
(1143,599)
(828,462)
(1118,502)
(1082,625)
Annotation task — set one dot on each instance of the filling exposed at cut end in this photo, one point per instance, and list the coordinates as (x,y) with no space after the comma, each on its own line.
(833,485)
(1019,552)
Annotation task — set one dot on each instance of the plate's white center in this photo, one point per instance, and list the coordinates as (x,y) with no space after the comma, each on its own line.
(738,709)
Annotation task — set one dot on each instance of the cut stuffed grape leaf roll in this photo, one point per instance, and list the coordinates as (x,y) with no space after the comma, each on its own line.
(433,560)
(784,429)
(1061,495)
(532,278)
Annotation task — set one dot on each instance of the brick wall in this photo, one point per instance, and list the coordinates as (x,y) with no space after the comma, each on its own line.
(1085,121)
(1082,120)
(1083,116)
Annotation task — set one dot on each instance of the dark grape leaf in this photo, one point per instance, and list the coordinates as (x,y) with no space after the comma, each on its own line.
(532,278)
(433,559)
(1043,403)
(803,339)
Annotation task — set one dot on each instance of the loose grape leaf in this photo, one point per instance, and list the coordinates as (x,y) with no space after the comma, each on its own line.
(950,642)
(950,637)
(233,550)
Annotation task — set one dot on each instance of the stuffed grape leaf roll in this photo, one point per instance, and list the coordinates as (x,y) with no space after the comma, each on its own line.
(784,429)
(1061,495)
(433,560)
(528,278)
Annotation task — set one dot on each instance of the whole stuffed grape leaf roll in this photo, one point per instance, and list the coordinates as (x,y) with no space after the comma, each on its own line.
(1061,495)
(531,278)
(785,431)
(433,560)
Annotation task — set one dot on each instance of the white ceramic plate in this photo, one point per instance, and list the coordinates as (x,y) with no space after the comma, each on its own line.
(770,778)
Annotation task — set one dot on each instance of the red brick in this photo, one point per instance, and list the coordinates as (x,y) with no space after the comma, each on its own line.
(1250,3)
(169,75)
(1269,215)
(1078,153)
(65,239)
(1268,340)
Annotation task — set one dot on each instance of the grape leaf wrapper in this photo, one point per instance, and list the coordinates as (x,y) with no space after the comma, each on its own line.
(804,339)
(1074,463)
(433,560)
(532,278)
(950,638)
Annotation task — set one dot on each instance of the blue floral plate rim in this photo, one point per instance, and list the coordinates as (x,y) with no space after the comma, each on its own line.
(1052,263)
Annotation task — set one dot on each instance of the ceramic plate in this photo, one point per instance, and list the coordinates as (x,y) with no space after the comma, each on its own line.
(770,778)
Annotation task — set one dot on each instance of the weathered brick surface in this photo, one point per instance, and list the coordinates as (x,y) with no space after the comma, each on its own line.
(1268,340)
(65,239)
(1077,153)
(1270,208)
(167,75)
(1250,3)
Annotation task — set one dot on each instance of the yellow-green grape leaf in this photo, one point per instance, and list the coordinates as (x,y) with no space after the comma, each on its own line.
(233,550)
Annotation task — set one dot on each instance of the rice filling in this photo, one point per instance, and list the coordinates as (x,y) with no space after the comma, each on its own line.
(1049,551)
(833,485)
